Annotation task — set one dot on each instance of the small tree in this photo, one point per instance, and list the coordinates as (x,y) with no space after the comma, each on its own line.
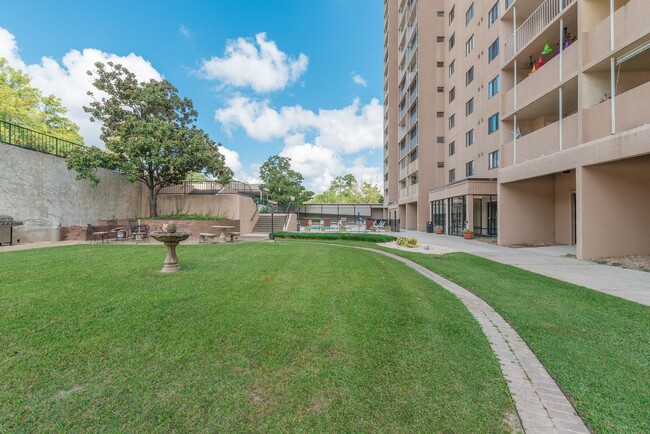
(149,132)
(283,183)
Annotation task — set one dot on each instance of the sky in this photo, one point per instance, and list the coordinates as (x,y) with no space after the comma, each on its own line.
(299,78)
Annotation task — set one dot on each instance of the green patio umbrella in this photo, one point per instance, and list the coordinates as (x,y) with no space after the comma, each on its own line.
(547,49)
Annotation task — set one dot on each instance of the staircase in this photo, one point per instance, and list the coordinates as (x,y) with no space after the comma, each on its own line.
(263,225)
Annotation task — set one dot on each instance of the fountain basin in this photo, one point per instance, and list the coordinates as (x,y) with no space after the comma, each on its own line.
(171,240)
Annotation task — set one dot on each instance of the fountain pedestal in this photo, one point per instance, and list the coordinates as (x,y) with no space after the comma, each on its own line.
(171,240)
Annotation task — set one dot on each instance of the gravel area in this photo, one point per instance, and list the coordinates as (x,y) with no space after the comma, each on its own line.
(633,262)
(429,249)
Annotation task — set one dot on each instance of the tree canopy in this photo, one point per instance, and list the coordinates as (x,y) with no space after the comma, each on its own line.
(149,132)
(346,189)
(24,105)
(283,183)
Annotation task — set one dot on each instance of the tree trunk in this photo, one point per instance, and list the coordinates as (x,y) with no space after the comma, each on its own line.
(153,202)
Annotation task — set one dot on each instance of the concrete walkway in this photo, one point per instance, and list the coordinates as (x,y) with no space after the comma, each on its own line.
(551,261)
(541,405)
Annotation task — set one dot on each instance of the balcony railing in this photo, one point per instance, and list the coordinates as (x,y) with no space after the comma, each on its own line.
(509,3)
(534,25)
(30,139)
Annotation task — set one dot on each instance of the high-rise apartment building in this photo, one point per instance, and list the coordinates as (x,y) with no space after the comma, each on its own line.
(522,119)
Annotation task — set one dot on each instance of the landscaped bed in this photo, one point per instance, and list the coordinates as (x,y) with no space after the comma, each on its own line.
(249,337)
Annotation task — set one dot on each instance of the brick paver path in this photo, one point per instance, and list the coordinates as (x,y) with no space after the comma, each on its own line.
(541,405)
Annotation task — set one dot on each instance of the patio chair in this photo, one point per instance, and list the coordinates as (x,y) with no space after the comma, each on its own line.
(140,233)
(96,235)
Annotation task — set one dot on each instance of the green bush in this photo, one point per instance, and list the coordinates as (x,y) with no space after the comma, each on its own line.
(407,242)
(373,238)
(186,217)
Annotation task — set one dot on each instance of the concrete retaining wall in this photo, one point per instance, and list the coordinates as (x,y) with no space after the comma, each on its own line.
(39,190)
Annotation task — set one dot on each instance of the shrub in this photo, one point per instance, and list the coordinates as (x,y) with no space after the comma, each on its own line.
(373,238)
(407,242)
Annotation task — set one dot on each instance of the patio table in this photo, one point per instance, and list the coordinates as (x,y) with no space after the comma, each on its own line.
(222,236)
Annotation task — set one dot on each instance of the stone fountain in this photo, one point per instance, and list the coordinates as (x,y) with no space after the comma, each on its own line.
(171,239)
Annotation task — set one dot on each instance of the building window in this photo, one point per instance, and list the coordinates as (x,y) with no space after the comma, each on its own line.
(440,39)
(452,94)
(469,45)
(452,41)
(469,138)
(440,139)
(452,121)
(493,51)
(414,155)
(440,89)
(493,87)
(469,168)
(452,148)
(441,14)
(493,159)
(493,123)
(452,14)
(452,68)
(440,64)
(452,175)
(493,15)
(469,76)
(469,107)
(440,114)
(469,14)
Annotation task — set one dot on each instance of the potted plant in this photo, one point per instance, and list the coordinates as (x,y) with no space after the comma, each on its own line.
(438,229)
(468,234)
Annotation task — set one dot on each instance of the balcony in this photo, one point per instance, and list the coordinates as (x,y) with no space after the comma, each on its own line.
(543,141)
(543,81)
(630,24)
(413,142)
(534,25)
(632,111)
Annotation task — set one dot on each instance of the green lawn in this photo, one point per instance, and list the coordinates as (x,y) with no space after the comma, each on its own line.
(248,337)
(596,346)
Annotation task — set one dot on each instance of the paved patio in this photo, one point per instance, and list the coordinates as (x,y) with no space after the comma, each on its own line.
(551,261)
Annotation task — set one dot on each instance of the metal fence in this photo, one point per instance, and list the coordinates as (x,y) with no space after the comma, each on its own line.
(30,139)
(209,187)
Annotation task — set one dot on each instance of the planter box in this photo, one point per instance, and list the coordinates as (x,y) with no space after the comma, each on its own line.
(468,236)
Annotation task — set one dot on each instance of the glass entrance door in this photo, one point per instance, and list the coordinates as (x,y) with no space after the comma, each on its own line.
(456,215)
(492,218)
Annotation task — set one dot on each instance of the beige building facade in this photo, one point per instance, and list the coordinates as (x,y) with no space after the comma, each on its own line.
(532,120)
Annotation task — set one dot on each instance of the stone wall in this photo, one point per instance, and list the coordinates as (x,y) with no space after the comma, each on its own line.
(39,190)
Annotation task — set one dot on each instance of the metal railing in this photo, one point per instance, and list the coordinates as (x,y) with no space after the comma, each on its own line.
(37,141)
(209,187)
(534,25)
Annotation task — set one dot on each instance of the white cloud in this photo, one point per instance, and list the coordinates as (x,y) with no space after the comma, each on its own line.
(9,49)
(232,159)
(335,136)
(68,79)
(347,130)
(359,80)
(185,32)
(260,65)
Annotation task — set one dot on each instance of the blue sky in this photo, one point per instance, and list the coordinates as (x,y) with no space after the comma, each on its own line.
(298,77)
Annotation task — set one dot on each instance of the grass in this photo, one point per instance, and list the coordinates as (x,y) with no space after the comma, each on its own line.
(248,337)
(596,346)
(331,236)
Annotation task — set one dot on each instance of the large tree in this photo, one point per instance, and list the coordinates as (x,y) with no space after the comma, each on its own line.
(24,105)
(282,182)
(149,132)
(346,189)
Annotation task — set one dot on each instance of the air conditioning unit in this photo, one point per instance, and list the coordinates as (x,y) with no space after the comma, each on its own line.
(441,164)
